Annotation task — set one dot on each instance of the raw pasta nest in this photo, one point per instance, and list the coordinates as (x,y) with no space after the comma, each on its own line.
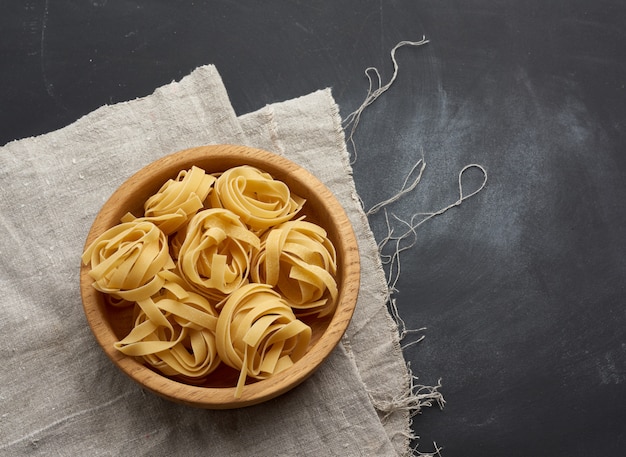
(299,260)
(258,333)
(126,260)
(256,197)
(174,331)
(218,272)
(215,253)
(177,201)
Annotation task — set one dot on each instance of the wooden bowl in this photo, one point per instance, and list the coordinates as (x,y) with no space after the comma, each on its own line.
(110,324)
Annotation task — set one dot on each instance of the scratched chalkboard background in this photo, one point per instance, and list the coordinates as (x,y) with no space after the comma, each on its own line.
(522,287)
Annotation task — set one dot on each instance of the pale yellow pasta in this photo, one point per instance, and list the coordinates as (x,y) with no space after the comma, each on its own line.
(258,333)
(174,332)
(127,259)
(299,260)
(176,241)
(215,254)
(177,200)
(226,283)
(256,197)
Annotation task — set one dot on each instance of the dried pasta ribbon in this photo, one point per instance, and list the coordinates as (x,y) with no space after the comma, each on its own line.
(188,270)
(176,241)
(258,333)
(127,259)
(215,254)
(299,260)
(177,200)
(256,197)
(174,331)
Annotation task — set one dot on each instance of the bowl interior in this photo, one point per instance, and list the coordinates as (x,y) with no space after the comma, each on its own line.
(110,324)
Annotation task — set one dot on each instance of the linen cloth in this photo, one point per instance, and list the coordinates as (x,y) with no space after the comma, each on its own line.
(60,395)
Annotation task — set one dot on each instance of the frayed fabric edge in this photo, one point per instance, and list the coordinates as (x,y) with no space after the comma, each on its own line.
(379,404)
(416,396)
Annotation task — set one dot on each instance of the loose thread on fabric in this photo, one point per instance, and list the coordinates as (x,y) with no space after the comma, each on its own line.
(405,189)
(393,259)
(413,401)
(435,453)
(416,396)
(353,119)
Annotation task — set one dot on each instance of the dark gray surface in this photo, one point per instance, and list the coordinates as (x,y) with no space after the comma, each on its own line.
(522,286)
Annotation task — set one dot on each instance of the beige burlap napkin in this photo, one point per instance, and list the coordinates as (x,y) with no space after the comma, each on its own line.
(60,395)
